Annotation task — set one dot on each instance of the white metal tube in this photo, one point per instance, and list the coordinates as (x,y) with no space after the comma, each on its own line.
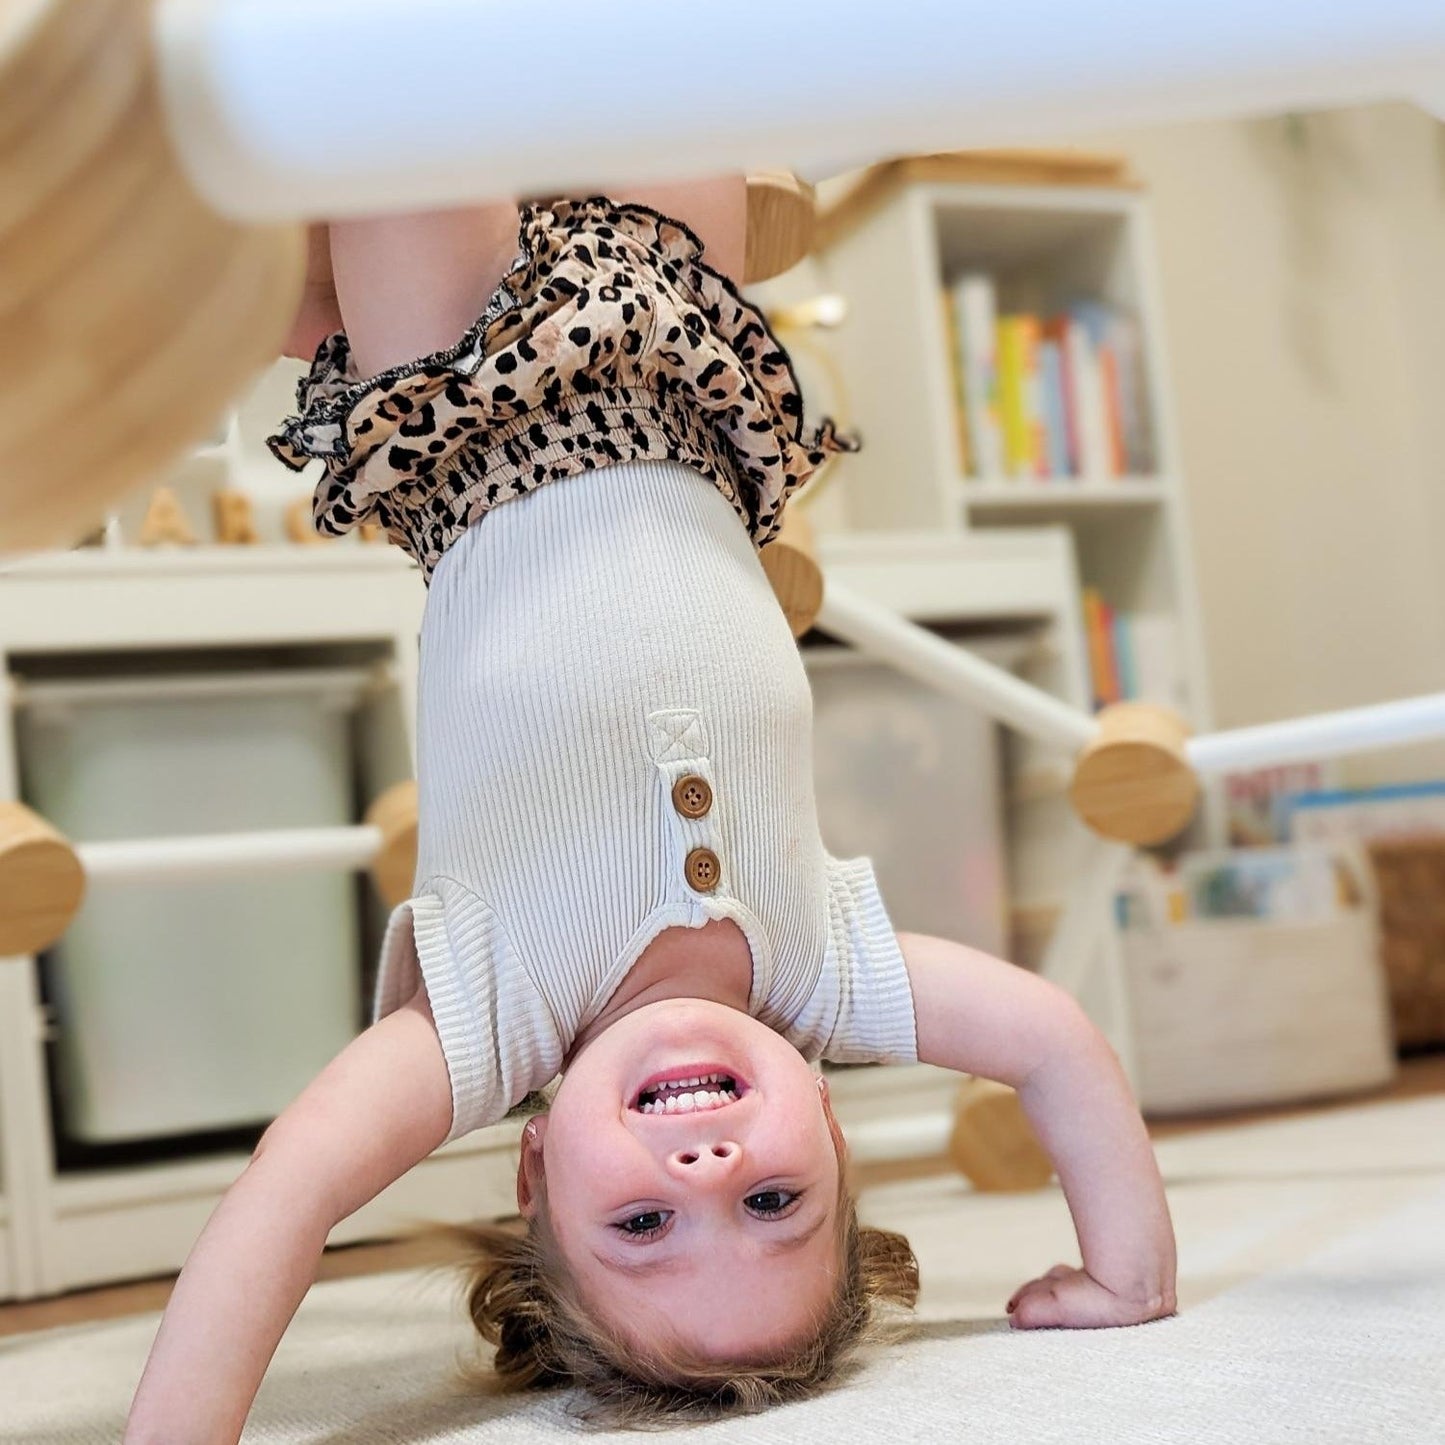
(290,109)
(1328,735)
(952,669)
(221,853)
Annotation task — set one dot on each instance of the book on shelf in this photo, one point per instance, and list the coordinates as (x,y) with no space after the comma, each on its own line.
(1394,810)
(1056,398)
(1258,803)
(954,342)
(1271,884)
(972,305)
(1133,656)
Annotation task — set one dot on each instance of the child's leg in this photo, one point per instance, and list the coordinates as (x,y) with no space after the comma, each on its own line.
(412,284)
(716,210)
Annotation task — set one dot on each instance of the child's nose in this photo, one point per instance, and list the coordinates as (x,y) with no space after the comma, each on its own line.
(718,1158)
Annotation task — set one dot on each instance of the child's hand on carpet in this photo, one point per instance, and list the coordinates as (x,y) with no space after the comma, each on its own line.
(1072,1299)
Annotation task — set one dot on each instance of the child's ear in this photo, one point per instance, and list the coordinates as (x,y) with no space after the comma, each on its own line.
(530,1173)
(834,1127)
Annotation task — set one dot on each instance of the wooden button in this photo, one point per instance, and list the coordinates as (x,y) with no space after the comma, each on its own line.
(691,796)
(703,870)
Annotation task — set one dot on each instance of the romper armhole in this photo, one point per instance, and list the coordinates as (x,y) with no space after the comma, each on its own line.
(496,1045)
(861,1010)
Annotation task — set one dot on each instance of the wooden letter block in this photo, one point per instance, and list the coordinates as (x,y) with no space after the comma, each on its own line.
(235,521)
(299,526)
(165,521)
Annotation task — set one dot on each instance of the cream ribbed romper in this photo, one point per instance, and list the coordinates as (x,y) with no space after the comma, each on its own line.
(584,648)
(614,724)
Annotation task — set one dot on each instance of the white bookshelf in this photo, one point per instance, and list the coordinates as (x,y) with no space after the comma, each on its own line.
(1045,246)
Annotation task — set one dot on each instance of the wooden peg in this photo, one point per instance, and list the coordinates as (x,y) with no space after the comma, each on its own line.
(234,517)
(993,1144)
(41,881)
(1134,783)
(299,525)
(370,532)
(791,563)
(165,521)
(782,220)
(394,867)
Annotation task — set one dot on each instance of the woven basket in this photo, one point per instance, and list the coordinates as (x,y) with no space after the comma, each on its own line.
(1410,875)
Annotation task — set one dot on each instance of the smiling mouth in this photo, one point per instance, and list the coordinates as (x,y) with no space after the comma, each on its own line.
(690,1094)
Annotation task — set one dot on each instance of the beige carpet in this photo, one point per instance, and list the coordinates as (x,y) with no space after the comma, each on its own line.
(1312,1256)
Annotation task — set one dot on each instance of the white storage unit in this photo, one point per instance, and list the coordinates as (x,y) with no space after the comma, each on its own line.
(61,1230)
(185,1005)
(911,777)
(1242,1012)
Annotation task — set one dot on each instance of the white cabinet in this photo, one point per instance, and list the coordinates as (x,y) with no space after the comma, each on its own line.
(60,1229)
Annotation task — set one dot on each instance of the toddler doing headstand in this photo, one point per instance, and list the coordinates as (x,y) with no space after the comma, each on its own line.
(620,876)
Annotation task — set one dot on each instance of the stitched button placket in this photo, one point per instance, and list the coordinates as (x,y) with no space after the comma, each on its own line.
(679,746)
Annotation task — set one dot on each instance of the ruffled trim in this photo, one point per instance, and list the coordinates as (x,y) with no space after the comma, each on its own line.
(609,339)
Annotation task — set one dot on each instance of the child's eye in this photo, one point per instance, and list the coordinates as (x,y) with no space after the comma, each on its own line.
(647,1225)
(772,1202)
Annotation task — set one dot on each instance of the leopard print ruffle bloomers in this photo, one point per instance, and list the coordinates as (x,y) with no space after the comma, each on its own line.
(610,339)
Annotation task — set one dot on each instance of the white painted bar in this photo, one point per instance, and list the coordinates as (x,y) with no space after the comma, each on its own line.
(1326,735)
(293,109)
(882,633)
(210,855)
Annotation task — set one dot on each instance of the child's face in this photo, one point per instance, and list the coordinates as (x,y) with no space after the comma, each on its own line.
(716,1225)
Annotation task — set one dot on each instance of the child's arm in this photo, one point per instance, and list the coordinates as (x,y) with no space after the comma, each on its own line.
(382,1105)
(980,1015)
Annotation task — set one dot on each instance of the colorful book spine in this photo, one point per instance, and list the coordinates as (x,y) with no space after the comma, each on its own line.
(1097,645)
(1038,445)
(1138,437)
(1057,329)
(975,306)
(955,367)
(1089,323)
(1124,649)
(1109,370)
(1113,688)
(1013,400)
(1055,426)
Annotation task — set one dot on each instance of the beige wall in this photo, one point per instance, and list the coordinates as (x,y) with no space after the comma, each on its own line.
(1304,295)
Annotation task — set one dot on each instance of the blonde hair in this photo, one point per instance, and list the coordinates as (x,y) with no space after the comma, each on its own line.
(521,1301)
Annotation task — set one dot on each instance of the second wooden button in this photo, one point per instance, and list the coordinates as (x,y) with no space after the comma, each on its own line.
(702,869)
(692,796)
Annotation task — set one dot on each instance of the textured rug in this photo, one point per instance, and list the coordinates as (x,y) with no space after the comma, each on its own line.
(1312,1309)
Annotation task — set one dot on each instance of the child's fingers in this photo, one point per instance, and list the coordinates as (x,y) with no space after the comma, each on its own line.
(1036,1307)
(1057,1272)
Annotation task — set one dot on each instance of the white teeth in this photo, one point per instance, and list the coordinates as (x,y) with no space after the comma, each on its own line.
(689,1095)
